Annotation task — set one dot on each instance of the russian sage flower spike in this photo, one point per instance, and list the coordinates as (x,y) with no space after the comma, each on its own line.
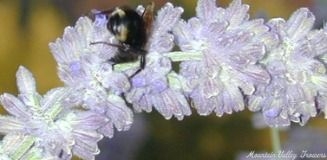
(227,62)
(298,77)
(43,125)
(230,46)
(98,87)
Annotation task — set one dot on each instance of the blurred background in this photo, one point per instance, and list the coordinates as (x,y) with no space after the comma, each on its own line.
(27,26)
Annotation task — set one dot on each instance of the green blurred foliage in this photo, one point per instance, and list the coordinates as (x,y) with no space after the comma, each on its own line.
(24,41)
(198,137)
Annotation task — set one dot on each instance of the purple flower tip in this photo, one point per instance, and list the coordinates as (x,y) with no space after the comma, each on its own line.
(159,85)
(272,113)
(75,68)
(100,19)
(138,81)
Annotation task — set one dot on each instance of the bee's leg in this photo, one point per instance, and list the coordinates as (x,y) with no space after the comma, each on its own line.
(123,54)
(126,54)
(142,66)
(142,62)
(121,47)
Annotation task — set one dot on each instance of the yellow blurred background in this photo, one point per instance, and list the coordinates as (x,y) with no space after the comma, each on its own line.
(27,26)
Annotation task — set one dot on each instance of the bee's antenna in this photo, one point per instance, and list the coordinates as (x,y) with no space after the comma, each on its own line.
(106,43)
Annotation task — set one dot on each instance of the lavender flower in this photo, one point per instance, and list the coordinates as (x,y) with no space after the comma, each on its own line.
(231,46)
(151,87)
(298,78)
(318,41)
(85,68)
(44,123)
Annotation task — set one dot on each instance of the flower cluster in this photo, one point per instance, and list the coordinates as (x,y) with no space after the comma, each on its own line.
(227,62)
(45,124)
(84,68)
(230,46)
(298,76)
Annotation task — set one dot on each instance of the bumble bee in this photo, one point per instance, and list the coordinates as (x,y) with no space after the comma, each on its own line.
(131,30)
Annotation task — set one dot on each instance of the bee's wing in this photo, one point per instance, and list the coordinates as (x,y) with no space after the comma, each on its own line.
(148,17)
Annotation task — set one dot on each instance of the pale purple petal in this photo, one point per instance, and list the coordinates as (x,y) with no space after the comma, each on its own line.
(254,52)
(272,112)
(159,85)
(54,97)
(236,13)
(317,42)
(139,81)
(254,103)
(75,69)
(25,80)
(144,102)
(232,101)
(159,104)
(170,103)
(88,120)
(86,144)
(120,115)
(255,25)
(214,33)
(162,44)
(100,19)
(161,40)
(167,18)
(203,105)
(117,82)
(11,125)
(14,106)
(207,11)
(255,74)
(300,23)
(210,87)
(70,76)
(61,50)
(191,70)
(184,34)
(107,130)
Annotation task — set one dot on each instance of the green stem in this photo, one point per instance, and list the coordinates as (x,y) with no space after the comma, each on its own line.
(184,56)
(23,147)
(177,56)
(275,139)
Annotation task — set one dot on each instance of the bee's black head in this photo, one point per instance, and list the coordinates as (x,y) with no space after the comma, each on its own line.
(127,26)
